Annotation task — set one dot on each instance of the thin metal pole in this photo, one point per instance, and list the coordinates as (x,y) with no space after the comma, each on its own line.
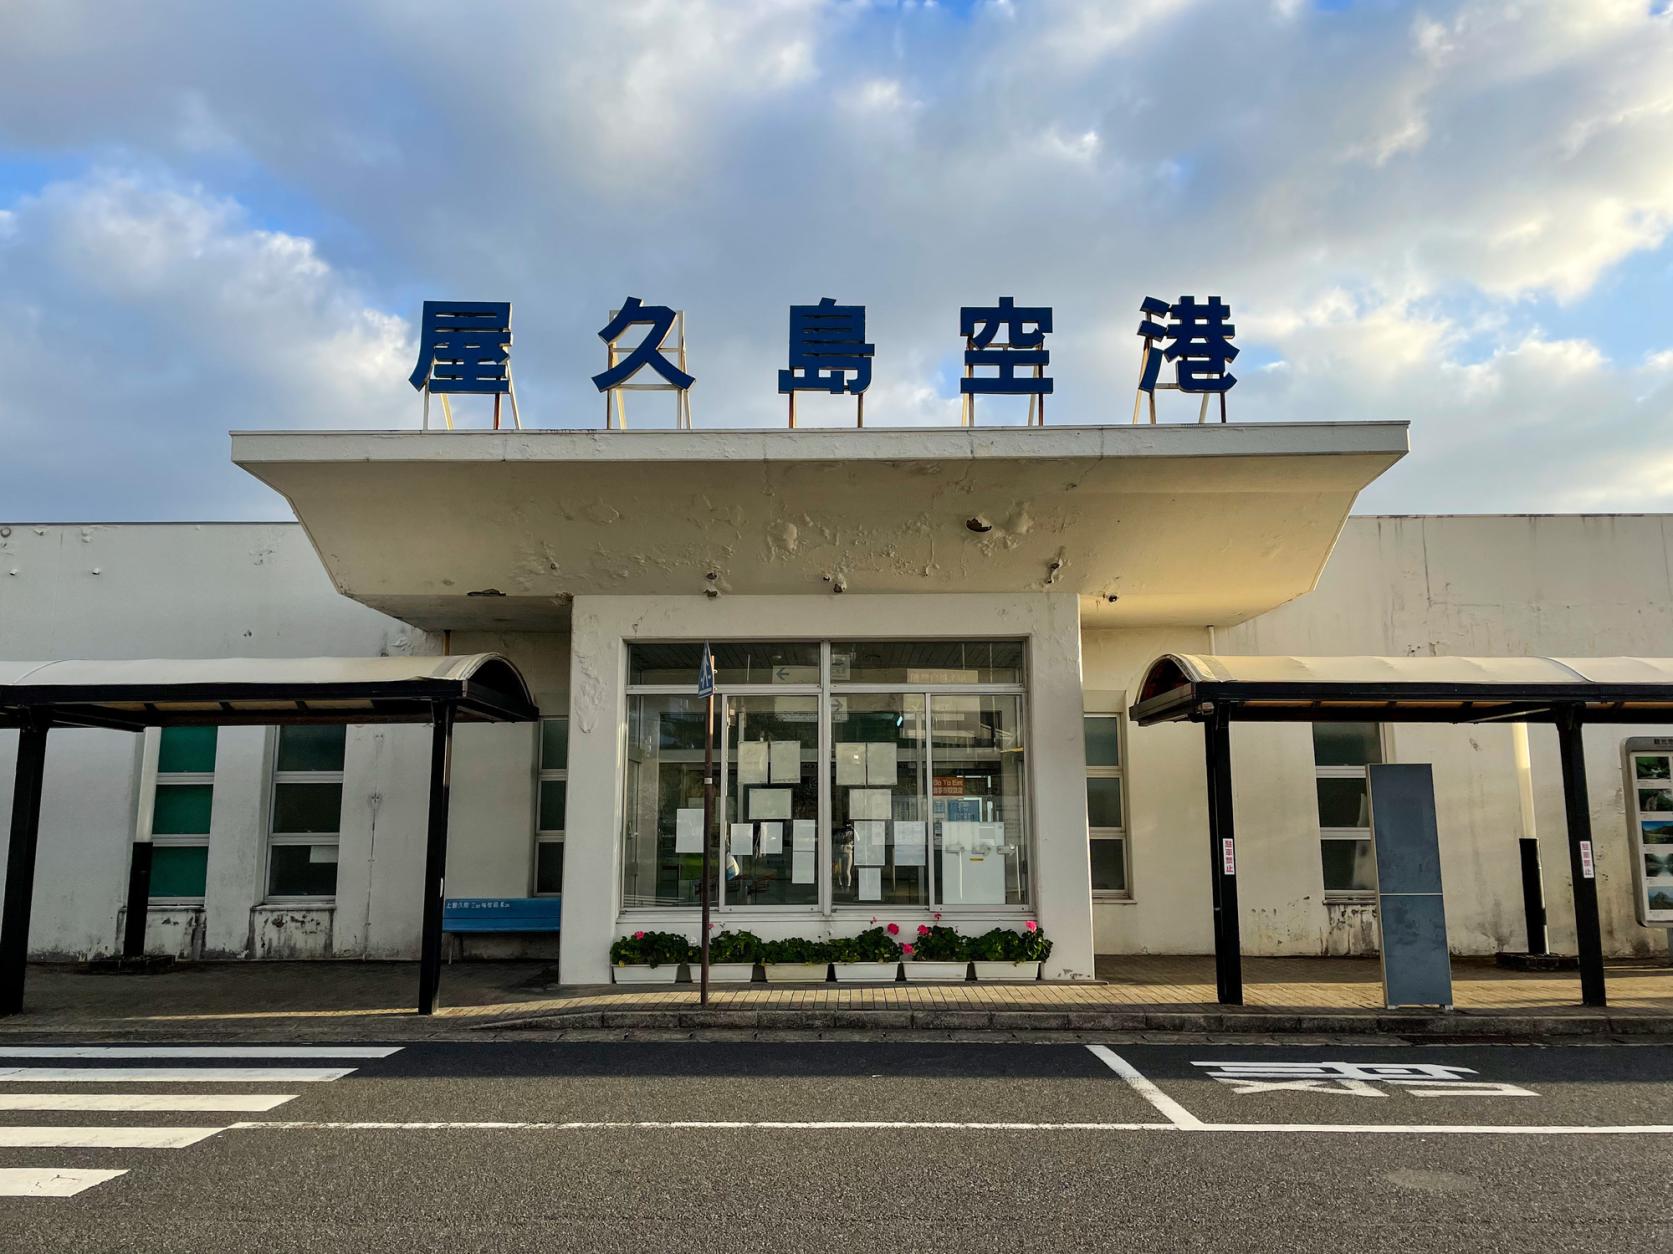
(1222,852)
(1577,809)
(435,854)
(20,864)
(708,822)
(139,899)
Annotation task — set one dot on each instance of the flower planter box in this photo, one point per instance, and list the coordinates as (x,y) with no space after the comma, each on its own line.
(1007,970)
(724,972)
(926,971)
(639,973)
(795,972)
(865,972)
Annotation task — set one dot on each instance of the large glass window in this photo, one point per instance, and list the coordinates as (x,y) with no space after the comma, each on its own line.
(551,806)
(1106,815)
(1341,752)
(850,776)
(307,812)
(180,813)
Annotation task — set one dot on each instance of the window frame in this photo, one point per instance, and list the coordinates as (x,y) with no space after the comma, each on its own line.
(830,690)
(1110,707)
(1360,834)
(544,774)
(276,777)
(154,780)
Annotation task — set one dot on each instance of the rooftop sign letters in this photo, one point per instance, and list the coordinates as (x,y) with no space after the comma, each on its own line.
(465,347)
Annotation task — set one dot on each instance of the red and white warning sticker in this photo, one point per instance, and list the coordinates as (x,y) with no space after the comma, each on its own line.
(1228,855)
(1586,859)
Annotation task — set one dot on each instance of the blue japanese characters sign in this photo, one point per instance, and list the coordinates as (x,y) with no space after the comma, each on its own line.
(464,346)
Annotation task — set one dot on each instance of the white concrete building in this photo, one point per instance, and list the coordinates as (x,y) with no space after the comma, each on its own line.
(925,642)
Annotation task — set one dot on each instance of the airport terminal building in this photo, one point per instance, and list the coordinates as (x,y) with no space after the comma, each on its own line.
(926,645)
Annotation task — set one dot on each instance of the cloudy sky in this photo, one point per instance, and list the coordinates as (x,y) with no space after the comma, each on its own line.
(225,216)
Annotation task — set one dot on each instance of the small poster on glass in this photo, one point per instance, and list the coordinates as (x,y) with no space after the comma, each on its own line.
(769,803)
(752,762)
(688,831)
(743,840)
(787,762)
(772,839)
(871,883)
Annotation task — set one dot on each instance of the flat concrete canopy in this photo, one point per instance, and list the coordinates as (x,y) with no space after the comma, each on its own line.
(1192,524)
(131,694)
(1406,689)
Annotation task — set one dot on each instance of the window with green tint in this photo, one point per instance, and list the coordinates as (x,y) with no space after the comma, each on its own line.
(548,871)
(1343,803)
(181,809)
(1346,744)
(553,796)
(304,748)
(554,744)
(1103,739)
(1103,802)
(179,870)
(186,751)
(307,807)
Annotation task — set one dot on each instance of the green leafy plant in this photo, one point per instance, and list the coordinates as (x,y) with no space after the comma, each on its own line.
(652,949)
(1001,944)
(735,947)
(795,949)
(938,944)
(871,945)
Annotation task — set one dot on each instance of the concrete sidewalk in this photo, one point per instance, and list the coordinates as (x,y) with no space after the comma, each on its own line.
(1138,995)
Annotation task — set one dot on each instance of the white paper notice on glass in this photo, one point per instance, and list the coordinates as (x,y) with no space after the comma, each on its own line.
(772,838)
(787,762)
(688,831)
(909,843)
(958,835)
(871,883)
(752,762)
(869,837)
(850,764)
(804,836)
(743,840)
(880,763)
(869,803)
(769,803)
(801,866)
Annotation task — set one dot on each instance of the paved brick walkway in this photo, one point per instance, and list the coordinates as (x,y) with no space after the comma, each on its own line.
(373,1000)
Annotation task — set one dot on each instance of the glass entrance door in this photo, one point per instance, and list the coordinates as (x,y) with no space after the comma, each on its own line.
(770,801)
(879,810)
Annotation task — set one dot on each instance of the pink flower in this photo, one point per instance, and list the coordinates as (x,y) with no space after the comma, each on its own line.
(894,929)
(1032,926)
(907,950)
(874,918)
(638,936)
(922,930)
(936,916)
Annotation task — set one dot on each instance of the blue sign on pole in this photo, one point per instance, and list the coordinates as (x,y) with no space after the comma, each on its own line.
(706,674)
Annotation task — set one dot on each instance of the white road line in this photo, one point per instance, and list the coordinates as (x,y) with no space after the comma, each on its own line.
(172,1075)
(239,1102)
(51,1181)
(198,1051)
(103,1138)
(951,1126)
(1176,1114)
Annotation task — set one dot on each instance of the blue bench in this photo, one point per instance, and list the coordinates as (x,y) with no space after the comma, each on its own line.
(478,915)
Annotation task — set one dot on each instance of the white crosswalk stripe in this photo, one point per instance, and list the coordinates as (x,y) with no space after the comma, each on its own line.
(69,1182)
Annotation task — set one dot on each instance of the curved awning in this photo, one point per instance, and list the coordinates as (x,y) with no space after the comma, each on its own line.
(133,693)
(1405,689)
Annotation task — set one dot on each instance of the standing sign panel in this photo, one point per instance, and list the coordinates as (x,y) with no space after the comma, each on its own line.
(1649,794)
(1417,970)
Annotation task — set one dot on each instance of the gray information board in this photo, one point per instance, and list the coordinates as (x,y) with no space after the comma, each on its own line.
(1417,970)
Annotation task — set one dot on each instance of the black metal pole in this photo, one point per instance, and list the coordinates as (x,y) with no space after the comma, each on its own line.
(20,864)
(1578,810)
(139,899)
(1222,852)
(435,854)
(1533,896)
(708,822)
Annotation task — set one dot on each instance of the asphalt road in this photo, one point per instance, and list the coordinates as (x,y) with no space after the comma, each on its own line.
(891,1146)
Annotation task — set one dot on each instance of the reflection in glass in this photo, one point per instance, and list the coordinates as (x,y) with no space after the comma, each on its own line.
(878,783)
(1343,803)
(772,780)
(1109,866)
(927,662)
(1346,744)
(736,662)
(664,775)
(1103,739)
(1103,802)
(1349,866)
(977,752)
